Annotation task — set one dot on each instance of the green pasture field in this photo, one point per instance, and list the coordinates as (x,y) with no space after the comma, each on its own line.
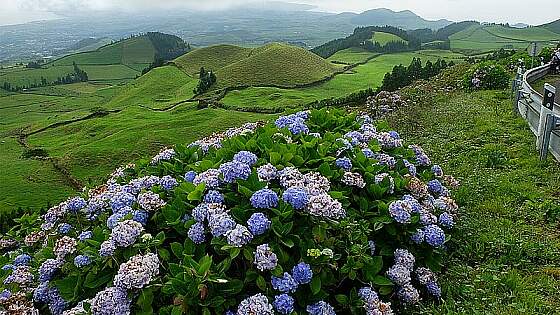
(383,38)
(157,89)
(352,55)
(369,75)
(109,72)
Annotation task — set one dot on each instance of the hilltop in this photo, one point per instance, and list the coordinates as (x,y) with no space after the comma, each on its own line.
(403,19)
(270,65)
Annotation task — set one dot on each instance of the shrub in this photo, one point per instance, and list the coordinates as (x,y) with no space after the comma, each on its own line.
(320,211)
(383,103)
(486,76)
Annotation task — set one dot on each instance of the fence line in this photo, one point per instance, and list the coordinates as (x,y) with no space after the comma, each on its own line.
(540,111)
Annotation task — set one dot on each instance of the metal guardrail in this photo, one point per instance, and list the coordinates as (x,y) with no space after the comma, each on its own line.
(540,111)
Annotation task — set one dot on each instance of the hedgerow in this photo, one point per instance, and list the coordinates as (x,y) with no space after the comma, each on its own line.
(318,212)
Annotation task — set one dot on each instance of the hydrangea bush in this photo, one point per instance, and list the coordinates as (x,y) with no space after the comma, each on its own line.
(383,103)
(317,213)
(486,76)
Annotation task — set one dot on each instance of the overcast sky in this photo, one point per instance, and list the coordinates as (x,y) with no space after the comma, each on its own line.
(531,12)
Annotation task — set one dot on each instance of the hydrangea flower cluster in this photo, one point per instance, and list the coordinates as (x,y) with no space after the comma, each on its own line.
(249,213)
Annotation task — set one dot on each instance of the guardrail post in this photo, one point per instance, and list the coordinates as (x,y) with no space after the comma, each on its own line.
(516,84)
(543,134)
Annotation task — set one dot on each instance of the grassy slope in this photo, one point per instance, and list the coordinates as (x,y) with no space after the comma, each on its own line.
(275,64)
(352,56)
(505,255)
(476,39)
(211,58)
(369,75)
(113,63)
(383,38)
(157,88)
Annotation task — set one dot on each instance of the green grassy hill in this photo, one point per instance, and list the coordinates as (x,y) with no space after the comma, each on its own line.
(275,65)
(213,58)
(553,26)
(383,38)
(270,65)
(114,63)
(484,38)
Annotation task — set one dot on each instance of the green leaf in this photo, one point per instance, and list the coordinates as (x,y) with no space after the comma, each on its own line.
(380,280)
(95,280)
(261,283)
(145,302)
(315,285)
(204,265)
(177,249)
(176,310)
(164,254)
(275,158)
(67,287)
(342,299)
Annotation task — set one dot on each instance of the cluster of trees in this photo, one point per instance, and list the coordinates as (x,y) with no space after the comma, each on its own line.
(168,47)
(402,76)
(35,64)
(78,75)
(206,80)
(362,38)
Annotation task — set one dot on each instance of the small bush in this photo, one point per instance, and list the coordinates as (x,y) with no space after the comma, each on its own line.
(486,76)
(318,212)
(32,153)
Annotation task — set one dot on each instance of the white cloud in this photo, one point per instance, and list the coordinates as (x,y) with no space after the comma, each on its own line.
(534,12)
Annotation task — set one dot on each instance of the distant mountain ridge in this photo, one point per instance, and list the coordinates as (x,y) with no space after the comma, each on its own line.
(403,19)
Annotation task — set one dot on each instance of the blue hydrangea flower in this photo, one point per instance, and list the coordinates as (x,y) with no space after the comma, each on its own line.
(265,259)
(264,199)
(121,200)
(246,157)
(446,220)
(5,294)
(355,137)
(405,258)
(189,176)
(399,210)
(82,260)
(41,293)
(8,267)
(434,235)
(418,237)
(371,245)
(76,204)
(283,303)
(258,223)
(168,182)
(408,294)
(395,135)
(344,163)
(107,248)
(64,228)
(411,167)
(320,308)
(48,268)
(298,127)
(437,170)
(111,301)
(434,289)
(302,273)
(368,153)
(220,224)
(213,196)
(196,233)
(285,283)
(367,294)
(256,304)
(22,260)
(399,274)
(200,212)
(435,187)
(85,235)
(140,216)
(297,197)
(114,219)
(56,303)
(234,170)
(239,236)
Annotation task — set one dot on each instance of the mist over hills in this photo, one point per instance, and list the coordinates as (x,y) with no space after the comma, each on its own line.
(247,26)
